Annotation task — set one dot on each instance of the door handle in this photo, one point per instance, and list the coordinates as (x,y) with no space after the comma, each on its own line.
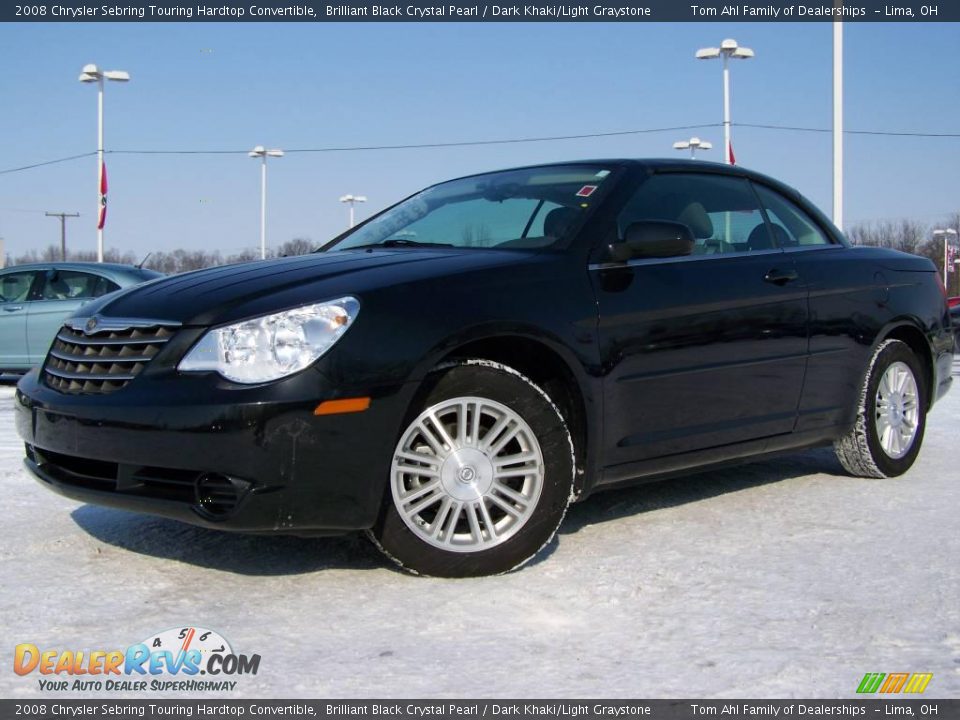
(12,308)
(781,277)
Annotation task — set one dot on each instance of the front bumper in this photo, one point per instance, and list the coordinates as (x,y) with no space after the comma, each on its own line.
(197,449)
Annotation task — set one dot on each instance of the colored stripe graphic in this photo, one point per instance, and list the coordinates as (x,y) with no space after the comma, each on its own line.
(894,683)
(918,682)
(871,682)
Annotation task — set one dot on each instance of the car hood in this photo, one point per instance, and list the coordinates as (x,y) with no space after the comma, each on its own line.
(230,292)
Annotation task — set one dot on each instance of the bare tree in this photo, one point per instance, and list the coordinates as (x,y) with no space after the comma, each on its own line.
(297,246)
(906,234)
(933,249)
(910,235)
(51,253)
(247,255)
(475,235)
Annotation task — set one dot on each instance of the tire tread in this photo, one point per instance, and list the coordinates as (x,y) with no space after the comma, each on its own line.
(853,449)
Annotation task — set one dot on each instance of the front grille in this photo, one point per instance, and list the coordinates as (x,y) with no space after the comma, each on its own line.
(103,361)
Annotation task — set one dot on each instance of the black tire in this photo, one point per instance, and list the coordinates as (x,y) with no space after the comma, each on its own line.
(501,385)
(860,450)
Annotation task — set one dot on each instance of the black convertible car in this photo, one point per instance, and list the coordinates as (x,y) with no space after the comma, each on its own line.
(453,373)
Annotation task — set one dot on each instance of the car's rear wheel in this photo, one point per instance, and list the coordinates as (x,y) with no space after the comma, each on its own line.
(891,415)
(481,476)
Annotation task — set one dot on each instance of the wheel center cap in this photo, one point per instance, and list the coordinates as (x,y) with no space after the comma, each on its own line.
(467,474)
(896,409)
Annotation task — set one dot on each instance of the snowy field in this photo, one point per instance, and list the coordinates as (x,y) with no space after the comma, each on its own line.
(783,578)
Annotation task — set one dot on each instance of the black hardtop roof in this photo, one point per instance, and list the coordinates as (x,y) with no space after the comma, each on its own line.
(654,165)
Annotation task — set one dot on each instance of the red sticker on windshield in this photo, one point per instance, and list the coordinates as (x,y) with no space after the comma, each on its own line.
(586,191)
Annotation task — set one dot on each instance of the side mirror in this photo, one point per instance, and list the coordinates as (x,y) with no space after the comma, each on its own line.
(658,239)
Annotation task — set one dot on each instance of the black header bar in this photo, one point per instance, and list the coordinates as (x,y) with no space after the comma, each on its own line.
(461,709)
(479,11)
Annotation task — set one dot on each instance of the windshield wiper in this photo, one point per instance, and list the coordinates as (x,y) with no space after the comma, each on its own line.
(394,242)
(407,242)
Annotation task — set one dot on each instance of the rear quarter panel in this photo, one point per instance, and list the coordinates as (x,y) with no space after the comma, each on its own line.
(858,296)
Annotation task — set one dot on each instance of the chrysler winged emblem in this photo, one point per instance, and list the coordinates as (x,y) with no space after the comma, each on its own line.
(91,326)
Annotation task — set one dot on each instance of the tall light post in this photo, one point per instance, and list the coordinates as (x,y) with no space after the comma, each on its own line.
(838,123)
(352,200)
(693,144)
(728,49)
(260,152)
(90,74)
(946,234)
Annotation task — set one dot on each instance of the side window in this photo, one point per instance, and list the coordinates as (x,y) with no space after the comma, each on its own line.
(15,286)
(104,286)
(73,285)
(791,225)
(721,211)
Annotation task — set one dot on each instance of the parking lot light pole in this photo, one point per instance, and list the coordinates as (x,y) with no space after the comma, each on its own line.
(693,144)
(260,152)
(728,49)
(352,200)
(838,124)
(90,74)
(946,234)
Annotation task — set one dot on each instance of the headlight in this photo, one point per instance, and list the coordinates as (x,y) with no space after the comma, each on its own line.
(273,346)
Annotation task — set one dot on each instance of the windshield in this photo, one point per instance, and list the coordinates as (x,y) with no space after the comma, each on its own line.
(517,209)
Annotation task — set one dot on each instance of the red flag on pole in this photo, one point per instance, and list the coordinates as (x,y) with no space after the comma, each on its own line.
(103,196)
(731,158)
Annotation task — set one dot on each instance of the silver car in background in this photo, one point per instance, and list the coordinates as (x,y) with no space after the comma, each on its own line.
(35,299)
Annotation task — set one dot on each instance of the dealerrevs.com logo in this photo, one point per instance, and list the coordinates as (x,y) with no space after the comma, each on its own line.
(184,659)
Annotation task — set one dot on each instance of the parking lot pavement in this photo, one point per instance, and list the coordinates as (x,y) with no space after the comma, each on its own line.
(783,578)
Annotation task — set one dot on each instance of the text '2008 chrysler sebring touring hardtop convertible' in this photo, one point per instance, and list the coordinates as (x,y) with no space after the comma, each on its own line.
(451,374)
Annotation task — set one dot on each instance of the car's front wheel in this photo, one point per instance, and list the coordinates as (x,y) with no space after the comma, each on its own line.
(481,476)
(891,415)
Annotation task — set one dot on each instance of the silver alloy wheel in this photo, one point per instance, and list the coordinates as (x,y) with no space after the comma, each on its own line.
(467,474)
(898,411)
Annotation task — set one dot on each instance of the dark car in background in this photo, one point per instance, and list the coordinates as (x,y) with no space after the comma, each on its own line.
(35,299)
(450,375)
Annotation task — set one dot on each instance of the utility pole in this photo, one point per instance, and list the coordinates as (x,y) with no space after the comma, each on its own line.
(63,230)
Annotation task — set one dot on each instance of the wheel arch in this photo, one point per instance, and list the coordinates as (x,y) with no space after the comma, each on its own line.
(909,332)
(547,364)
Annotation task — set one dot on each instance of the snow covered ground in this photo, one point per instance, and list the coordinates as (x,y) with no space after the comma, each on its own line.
(783,578)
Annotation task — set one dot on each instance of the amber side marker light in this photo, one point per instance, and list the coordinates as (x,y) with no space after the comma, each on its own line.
(347,405)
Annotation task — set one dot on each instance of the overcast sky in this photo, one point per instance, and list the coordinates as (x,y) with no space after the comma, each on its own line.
(209,86)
